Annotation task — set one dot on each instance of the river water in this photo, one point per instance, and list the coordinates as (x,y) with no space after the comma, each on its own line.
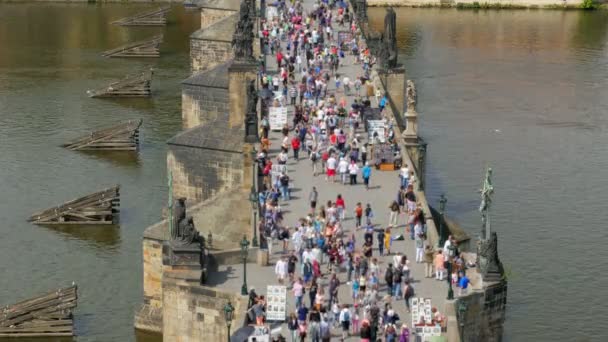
(522,91)
(525,92)
(49,57)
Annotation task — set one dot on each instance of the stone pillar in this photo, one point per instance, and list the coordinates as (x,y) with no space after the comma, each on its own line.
(394,81)
(239,76)
(452,333)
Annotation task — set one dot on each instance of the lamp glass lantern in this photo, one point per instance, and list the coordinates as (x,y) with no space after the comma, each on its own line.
(228,315)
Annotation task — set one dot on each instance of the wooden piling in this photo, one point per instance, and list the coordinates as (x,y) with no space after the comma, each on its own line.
(97,208)
(130,86)
(43,316)
(140,49)
(154,17)
(121,137)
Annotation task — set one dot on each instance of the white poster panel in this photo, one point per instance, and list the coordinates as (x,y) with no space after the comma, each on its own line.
(277,117)
(376,126)
(276,304)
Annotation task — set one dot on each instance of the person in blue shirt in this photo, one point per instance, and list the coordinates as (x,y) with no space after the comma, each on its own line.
(366,172)
(463,284)
(383,101)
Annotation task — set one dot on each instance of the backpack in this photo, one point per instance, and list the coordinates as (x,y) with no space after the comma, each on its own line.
(347,316)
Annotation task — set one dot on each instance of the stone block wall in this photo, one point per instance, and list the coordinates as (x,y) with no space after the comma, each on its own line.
(210,16)
(199,174)
(203,104)
(503,3)
(205,53)
(485,313)
(195,313)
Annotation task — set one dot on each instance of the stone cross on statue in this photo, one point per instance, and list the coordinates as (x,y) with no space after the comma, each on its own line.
(486,202)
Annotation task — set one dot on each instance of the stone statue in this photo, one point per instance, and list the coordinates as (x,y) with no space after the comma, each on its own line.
(488,263)
(390,38)
(383,53)
(411,96)
(179,213)
(188,233)
(486,201)
(242,39)
(361,10)
(251,115)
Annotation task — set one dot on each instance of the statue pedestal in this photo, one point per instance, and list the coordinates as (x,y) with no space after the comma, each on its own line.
(182,257)
(394,81)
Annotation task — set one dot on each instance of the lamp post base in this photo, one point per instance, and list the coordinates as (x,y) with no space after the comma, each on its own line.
(244,291)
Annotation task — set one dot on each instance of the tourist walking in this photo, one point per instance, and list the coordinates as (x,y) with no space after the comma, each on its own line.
(428,261)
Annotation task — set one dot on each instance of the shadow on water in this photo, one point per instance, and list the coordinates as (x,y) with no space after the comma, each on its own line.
(102,236)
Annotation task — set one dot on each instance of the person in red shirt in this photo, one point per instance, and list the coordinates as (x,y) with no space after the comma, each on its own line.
(295,146)
(279,58)
(266,173)
(341,206)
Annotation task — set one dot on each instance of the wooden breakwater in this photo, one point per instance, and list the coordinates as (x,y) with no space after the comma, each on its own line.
(156,17)
(140,49)
(97,208)
(130,86)
(43,316)
(121,137)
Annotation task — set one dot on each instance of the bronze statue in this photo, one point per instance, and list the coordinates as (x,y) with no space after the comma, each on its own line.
(390,37)
(251,115)
(486,201)
(242,39)
(488,264)
(179,213)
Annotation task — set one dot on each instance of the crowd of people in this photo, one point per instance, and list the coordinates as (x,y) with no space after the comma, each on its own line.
(323,246)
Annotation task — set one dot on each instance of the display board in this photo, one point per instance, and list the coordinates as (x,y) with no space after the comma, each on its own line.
(421,310)
(276,303)
(277,117)
(376,126)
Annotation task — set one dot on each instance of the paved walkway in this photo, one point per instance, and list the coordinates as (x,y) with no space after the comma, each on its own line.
(383,189)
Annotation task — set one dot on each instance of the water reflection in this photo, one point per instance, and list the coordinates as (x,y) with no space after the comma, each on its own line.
(103,237)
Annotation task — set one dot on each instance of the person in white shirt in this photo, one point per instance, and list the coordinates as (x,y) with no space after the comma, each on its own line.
(331,168)
(307,255)
(343,169)
(345,322)
(353,169)
(404,175)
(281,270)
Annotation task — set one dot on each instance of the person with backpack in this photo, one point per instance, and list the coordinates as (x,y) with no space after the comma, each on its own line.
(325,330)
(314,160)
(284,181)
(397,281)
(388,277)
(408,293)
(368,214)
(345,321)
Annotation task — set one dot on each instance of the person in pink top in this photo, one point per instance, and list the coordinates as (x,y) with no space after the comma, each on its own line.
(298,291)
(439,265)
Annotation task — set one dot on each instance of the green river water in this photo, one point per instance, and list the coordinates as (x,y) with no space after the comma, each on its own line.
(522,91)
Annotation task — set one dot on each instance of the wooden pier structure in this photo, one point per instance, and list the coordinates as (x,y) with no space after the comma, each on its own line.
(140,49)
(156,17)
(42,316)
(121,137)
(131,86)
(98,208)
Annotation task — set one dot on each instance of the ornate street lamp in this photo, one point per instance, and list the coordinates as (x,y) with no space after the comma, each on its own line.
(442,202)
(461,310)
(244,253)
(228,314)
(253,198)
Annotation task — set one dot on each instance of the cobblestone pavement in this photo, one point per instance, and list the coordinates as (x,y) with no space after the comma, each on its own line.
(383,189)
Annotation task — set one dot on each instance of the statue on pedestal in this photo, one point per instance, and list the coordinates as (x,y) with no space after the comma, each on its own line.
(242,39)
(488,263)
